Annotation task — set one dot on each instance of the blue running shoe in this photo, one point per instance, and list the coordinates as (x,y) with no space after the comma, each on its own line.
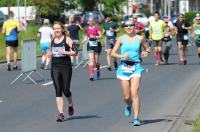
(136,122)
(98,75)
(127,111)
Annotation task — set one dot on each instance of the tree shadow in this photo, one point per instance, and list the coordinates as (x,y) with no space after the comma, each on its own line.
(81,117)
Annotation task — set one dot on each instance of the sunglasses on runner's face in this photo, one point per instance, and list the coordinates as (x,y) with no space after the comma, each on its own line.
(129,25)
(198,19)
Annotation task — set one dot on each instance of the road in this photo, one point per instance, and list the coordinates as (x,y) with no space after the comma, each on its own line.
(166,94)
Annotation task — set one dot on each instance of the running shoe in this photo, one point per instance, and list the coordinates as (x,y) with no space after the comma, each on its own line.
(91,78)
(136,122)
(42,66)
(60,117)
(98,75)
(127,111)
(15,67)
(70,110)
(46,67)
(185,62)
(109,68)
(9,67)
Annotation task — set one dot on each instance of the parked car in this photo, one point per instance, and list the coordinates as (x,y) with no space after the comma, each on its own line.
(2,18)
(97,15)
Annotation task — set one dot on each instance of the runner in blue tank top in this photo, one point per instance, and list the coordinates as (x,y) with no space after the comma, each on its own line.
(129,70)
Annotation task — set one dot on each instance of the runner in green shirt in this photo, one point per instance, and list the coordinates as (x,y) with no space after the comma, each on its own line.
(156,35)
(196,34)
(110,28)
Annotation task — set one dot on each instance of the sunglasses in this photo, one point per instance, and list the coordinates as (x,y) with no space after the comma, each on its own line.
(129,25)
(197,19)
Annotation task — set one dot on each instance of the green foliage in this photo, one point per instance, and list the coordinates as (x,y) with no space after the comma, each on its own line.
(196,125)
(87,5)
(190,16)
(113,6)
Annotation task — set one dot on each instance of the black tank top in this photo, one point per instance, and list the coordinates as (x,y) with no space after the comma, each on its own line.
(60,59)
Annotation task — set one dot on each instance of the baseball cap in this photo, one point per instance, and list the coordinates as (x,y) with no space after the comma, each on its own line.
(46,21)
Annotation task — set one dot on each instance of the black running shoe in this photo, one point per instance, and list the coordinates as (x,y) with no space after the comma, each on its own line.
(91,78)
(15,67)
(70,110)
(9,67)
(60,117)
(42,66)
(109,68)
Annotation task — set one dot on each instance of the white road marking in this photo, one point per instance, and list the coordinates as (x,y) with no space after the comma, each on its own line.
(1,101)
(48,83)
(101,67)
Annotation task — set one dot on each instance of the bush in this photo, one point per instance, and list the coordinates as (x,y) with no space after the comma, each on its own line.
(190,16)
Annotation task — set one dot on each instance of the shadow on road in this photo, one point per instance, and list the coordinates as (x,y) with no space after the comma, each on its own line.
(82,117)
(145,122)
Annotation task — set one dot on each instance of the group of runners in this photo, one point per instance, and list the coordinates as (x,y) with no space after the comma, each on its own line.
(60,48)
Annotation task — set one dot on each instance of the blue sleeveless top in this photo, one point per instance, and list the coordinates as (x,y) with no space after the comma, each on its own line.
(131,48)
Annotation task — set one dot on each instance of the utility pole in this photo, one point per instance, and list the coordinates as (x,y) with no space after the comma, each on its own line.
(169,8)
(151,6)
(18,12)
(25,9)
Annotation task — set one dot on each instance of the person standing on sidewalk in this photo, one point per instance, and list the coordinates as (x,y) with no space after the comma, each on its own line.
(130,70)
(156,35)
(93,33)
(10,29)
(182,37)
(73,29)
(46,34)
(196,34)
(62,48)
(110,28)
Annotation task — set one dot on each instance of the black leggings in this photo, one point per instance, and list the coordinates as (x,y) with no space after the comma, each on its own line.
(61,77)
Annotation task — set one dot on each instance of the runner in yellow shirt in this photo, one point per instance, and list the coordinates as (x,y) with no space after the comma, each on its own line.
(156,35)
(11,28)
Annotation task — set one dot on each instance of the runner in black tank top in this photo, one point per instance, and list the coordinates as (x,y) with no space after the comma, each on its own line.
(62,48)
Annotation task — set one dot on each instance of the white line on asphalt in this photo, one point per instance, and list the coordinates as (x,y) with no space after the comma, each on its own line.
(51,82)
(48,83)
(1,101)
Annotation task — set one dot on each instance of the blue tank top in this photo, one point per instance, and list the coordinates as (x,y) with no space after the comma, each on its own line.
(131,48)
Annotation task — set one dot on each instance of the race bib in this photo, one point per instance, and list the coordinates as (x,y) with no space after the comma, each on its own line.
(156,32)
(109,33)
(93,43)
(128,68)
(55,51)
(186,37)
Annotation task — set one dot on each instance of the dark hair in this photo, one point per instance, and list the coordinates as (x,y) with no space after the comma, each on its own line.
(11,14)
(156,12)
(62,26)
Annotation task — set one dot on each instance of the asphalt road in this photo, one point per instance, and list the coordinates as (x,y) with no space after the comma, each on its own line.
(166,92)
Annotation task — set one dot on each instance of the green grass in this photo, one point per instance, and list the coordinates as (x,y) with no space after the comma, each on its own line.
(196,125)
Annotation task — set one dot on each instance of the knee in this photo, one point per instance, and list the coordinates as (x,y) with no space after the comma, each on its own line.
(134,94)
(127,97)
(67,94)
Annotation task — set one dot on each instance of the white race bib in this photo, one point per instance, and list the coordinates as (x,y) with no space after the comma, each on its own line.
(93,43)
(128,68)
(55,51)
(186,37)
(109,33)
(197,31)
